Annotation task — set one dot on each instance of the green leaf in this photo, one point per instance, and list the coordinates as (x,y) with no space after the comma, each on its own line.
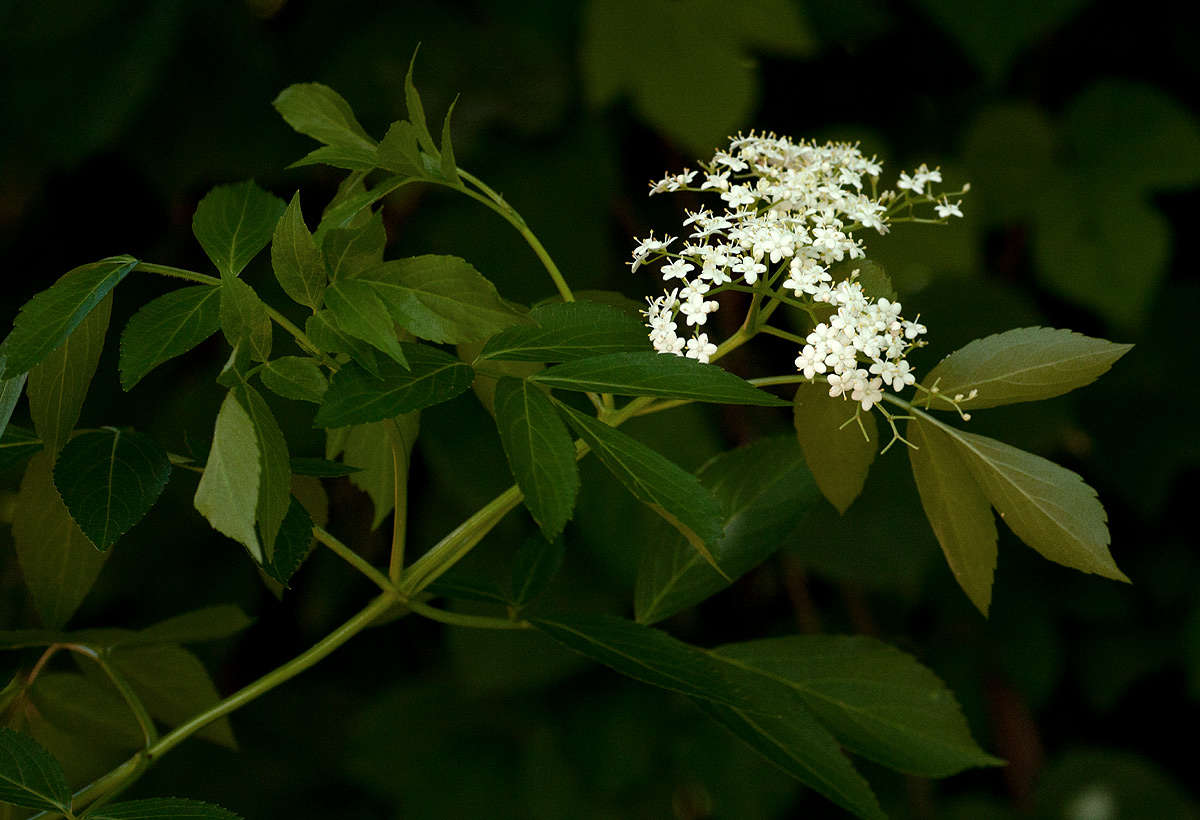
(369,448)
(10,393)
(234,222)
(957,510)
(653,374)
(449,163)
(658,482)
(293,543)
(353,249)
(163,808)
(802,747)
(57,560)
(1047,506)
(540,453)
(245,320)
(167,327)
(356,397)
(876,283)
(1025,364)
(442,299)
(318,111)
(764,490)
(296,258)
(173,685)
(416,111)
(295,377)
(837,453)
(16,445)
(339,156)
(29,776)
(322,329)
(321,468)
(211,623)
(275,474)
(399,151)
(534,566)
(348,205)
(59,383)
(227,494)
(568,331)
(86,712)
(650,656)
(359,311)
(46,320)
(878,702)
(109,480)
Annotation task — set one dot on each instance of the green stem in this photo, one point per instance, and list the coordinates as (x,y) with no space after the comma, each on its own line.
(149,730)
(399,503)
(498,204)
(782,334)
(354,559)
(178,273)
(320,650)
(463,619)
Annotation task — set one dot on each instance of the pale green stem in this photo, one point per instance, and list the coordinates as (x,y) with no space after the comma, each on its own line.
(498,204)
(399,503)
(354,559)
(463,619)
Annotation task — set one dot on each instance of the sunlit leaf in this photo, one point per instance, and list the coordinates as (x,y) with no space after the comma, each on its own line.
(359,312)
(227,494)
(350,250)
(275,474)
(1025,364)
(318,111)
(167,327)
(296,259)
(46,320)
(234,222)
(245,320)
(295,377)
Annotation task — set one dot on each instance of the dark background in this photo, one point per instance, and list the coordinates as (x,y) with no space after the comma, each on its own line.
(1075,123)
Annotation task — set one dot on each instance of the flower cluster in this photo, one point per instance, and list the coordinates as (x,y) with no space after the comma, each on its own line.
(791,213)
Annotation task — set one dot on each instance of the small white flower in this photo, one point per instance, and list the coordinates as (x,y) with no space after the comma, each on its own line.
(700,348)
(910,183)
(945,209)
(677,269)
(867,393)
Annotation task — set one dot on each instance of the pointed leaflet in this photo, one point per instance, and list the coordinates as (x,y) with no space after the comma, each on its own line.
(568,331)
(655,480)
(651,656)
(245,320)
(540,453)
(339,156)
(356,397)
(208,624)
(109,479)
(360,313)
(234,222)
(59,383)
(347,205)
(227,494)
(441,298)
(1047,506)
(173,685)
(837,453)
(46,320)
(163,808)
(322,329)
(957,510)
(57,560)
(399,152)
(296,258)
(803,748)
(764,491)
(275,473)
(1025,364)
(10,393)
(295,377)
(350,250)
(416,111)
(293,543)
(534,566)
(318,111)
(653,374)
(29,776)
(167,327)
(449,163)
(878,702)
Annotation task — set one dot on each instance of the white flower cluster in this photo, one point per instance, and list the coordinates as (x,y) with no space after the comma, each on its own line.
(790,213)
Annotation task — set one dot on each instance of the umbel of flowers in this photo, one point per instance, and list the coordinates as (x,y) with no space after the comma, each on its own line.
(791,211)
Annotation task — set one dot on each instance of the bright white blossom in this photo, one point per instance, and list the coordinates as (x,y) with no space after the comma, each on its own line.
(791,210)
